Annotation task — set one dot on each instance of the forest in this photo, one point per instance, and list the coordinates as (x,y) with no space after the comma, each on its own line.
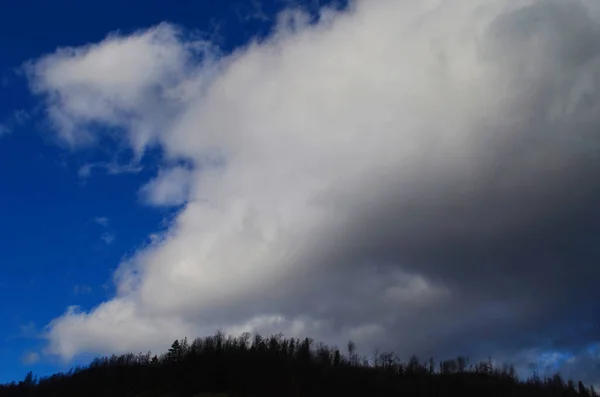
(257,366)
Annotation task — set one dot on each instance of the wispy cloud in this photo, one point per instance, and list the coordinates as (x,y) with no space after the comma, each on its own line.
(20,116)
(101,220)
(81,289)
(27,331)
(16,119)
(108,238)
(250,10)
(30,358)
(111,168)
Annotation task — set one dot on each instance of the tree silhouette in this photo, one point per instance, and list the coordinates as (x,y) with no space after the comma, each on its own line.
(278,366)
(175,352)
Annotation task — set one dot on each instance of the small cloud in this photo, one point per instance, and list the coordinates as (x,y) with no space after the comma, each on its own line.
(30,358)
(85,171)
(108,238)
(111,169)
(252,10)
(17,118)
(20,117)
(82,290)
(28,330)
(101,220)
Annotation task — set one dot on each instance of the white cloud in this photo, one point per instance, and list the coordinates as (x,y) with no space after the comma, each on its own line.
(170,187)
(297,143)
(4,129)
(124,82)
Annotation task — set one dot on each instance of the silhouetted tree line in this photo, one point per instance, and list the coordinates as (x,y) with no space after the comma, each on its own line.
(276,366)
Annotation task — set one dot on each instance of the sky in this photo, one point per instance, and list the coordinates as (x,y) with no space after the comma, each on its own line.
(416,176)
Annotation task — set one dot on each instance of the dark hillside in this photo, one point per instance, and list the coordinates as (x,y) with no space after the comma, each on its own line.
(278,366)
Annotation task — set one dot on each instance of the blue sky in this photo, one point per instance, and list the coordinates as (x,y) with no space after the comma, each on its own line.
(337,178)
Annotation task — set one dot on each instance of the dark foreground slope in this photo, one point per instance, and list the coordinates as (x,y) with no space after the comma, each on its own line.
(276,366)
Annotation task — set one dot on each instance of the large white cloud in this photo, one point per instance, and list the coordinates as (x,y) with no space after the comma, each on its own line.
(351,178)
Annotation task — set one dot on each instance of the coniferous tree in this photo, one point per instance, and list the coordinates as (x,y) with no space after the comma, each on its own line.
(174,351)
(582,390)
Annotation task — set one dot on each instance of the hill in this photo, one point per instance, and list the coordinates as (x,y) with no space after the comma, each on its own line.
(219,366)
